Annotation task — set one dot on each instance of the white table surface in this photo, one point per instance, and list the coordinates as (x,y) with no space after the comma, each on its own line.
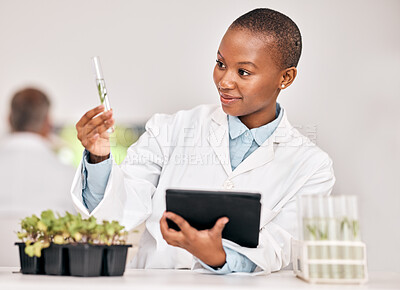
(181,279)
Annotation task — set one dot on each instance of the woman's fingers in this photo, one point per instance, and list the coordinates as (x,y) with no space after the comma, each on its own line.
(101,131)
(170,235)
(91,129)
(187,234)
(89,115)
(95,123)
(100,128)
(180,222)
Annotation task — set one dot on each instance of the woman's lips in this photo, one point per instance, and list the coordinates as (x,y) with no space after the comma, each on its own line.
(228,99)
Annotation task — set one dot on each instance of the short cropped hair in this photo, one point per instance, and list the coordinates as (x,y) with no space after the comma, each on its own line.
(29,110)
(286,41)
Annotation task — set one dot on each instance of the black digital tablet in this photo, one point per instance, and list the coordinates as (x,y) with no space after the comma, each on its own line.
(201,209)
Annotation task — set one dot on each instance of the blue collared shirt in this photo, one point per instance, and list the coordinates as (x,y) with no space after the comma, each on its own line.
(242,142)
(94,181)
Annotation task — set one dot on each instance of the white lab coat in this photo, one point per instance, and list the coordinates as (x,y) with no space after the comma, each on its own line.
(190,149)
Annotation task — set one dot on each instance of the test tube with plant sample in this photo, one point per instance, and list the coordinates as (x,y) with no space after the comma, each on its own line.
(101,86)
(309,226)
(345,234)
(357,253)
(323,232)
(333,235)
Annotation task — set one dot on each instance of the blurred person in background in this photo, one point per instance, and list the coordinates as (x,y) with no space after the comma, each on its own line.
(32,177)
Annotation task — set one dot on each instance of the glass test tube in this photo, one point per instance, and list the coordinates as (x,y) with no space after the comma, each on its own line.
(357,253)
(333,235)
(100,83)
(333,218)
(101,86)
(309,228)
(323,234)
(345,234)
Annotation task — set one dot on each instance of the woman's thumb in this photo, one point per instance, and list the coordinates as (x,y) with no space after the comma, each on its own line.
(220,225)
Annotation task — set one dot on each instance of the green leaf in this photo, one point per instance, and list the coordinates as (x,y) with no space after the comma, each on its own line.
(77,236)
(47,216)
(323,235)
(30,250)
(356,228)
(345,222)
(22,235)
(59,240)
(99,90)
(37,249)
(102,94)
(312,230)
(41,226)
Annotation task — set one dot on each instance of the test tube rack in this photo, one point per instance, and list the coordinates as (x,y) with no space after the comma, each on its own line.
(347,268)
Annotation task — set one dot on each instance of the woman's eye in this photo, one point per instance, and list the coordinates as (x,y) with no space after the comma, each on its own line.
(242,72)
(220,64)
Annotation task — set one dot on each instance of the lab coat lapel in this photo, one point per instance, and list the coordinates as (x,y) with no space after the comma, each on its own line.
(265,153)
(261,156)
(219,139)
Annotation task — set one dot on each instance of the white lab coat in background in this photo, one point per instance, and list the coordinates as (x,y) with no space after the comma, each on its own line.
(190,149)
(32,177)
(32,180)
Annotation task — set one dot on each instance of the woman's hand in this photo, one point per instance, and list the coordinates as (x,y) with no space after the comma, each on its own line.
(206,245)
(92,132)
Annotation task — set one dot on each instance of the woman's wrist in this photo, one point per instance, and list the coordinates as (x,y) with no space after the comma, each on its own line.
(97,159)
(215,261)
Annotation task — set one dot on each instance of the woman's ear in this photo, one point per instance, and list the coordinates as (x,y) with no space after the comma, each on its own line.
(288,76)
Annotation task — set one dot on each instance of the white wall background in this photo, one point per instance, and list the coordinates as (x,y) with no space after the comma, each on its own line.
(158,56)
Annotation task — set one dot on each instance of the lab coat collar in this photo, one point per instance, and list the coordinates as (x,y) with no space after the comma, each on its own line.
(260,134)
(219,141)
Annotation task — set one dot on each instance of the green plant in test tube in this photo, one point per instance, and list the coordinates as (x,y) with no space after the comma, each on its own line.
(102,92)
(312,229)
(101,86)
(309,231)
(333,218)
(323,251)
(356,229)
(335,251)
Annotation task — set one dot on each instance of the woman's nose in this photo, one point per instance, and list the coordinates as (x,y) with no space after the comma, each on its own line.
(226,84)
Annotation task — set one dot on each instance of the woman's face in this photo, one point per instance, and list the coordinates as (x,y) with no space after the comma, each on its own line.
(247,79)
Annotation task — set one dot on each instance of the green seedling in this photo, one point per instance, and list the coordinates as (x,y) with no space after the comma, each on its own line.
(39,233)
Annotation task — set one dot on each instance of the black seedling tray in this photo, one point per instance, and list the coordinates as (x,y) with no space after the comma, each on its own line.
(83,260)
(56,260)
(114,260)
(29,265)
